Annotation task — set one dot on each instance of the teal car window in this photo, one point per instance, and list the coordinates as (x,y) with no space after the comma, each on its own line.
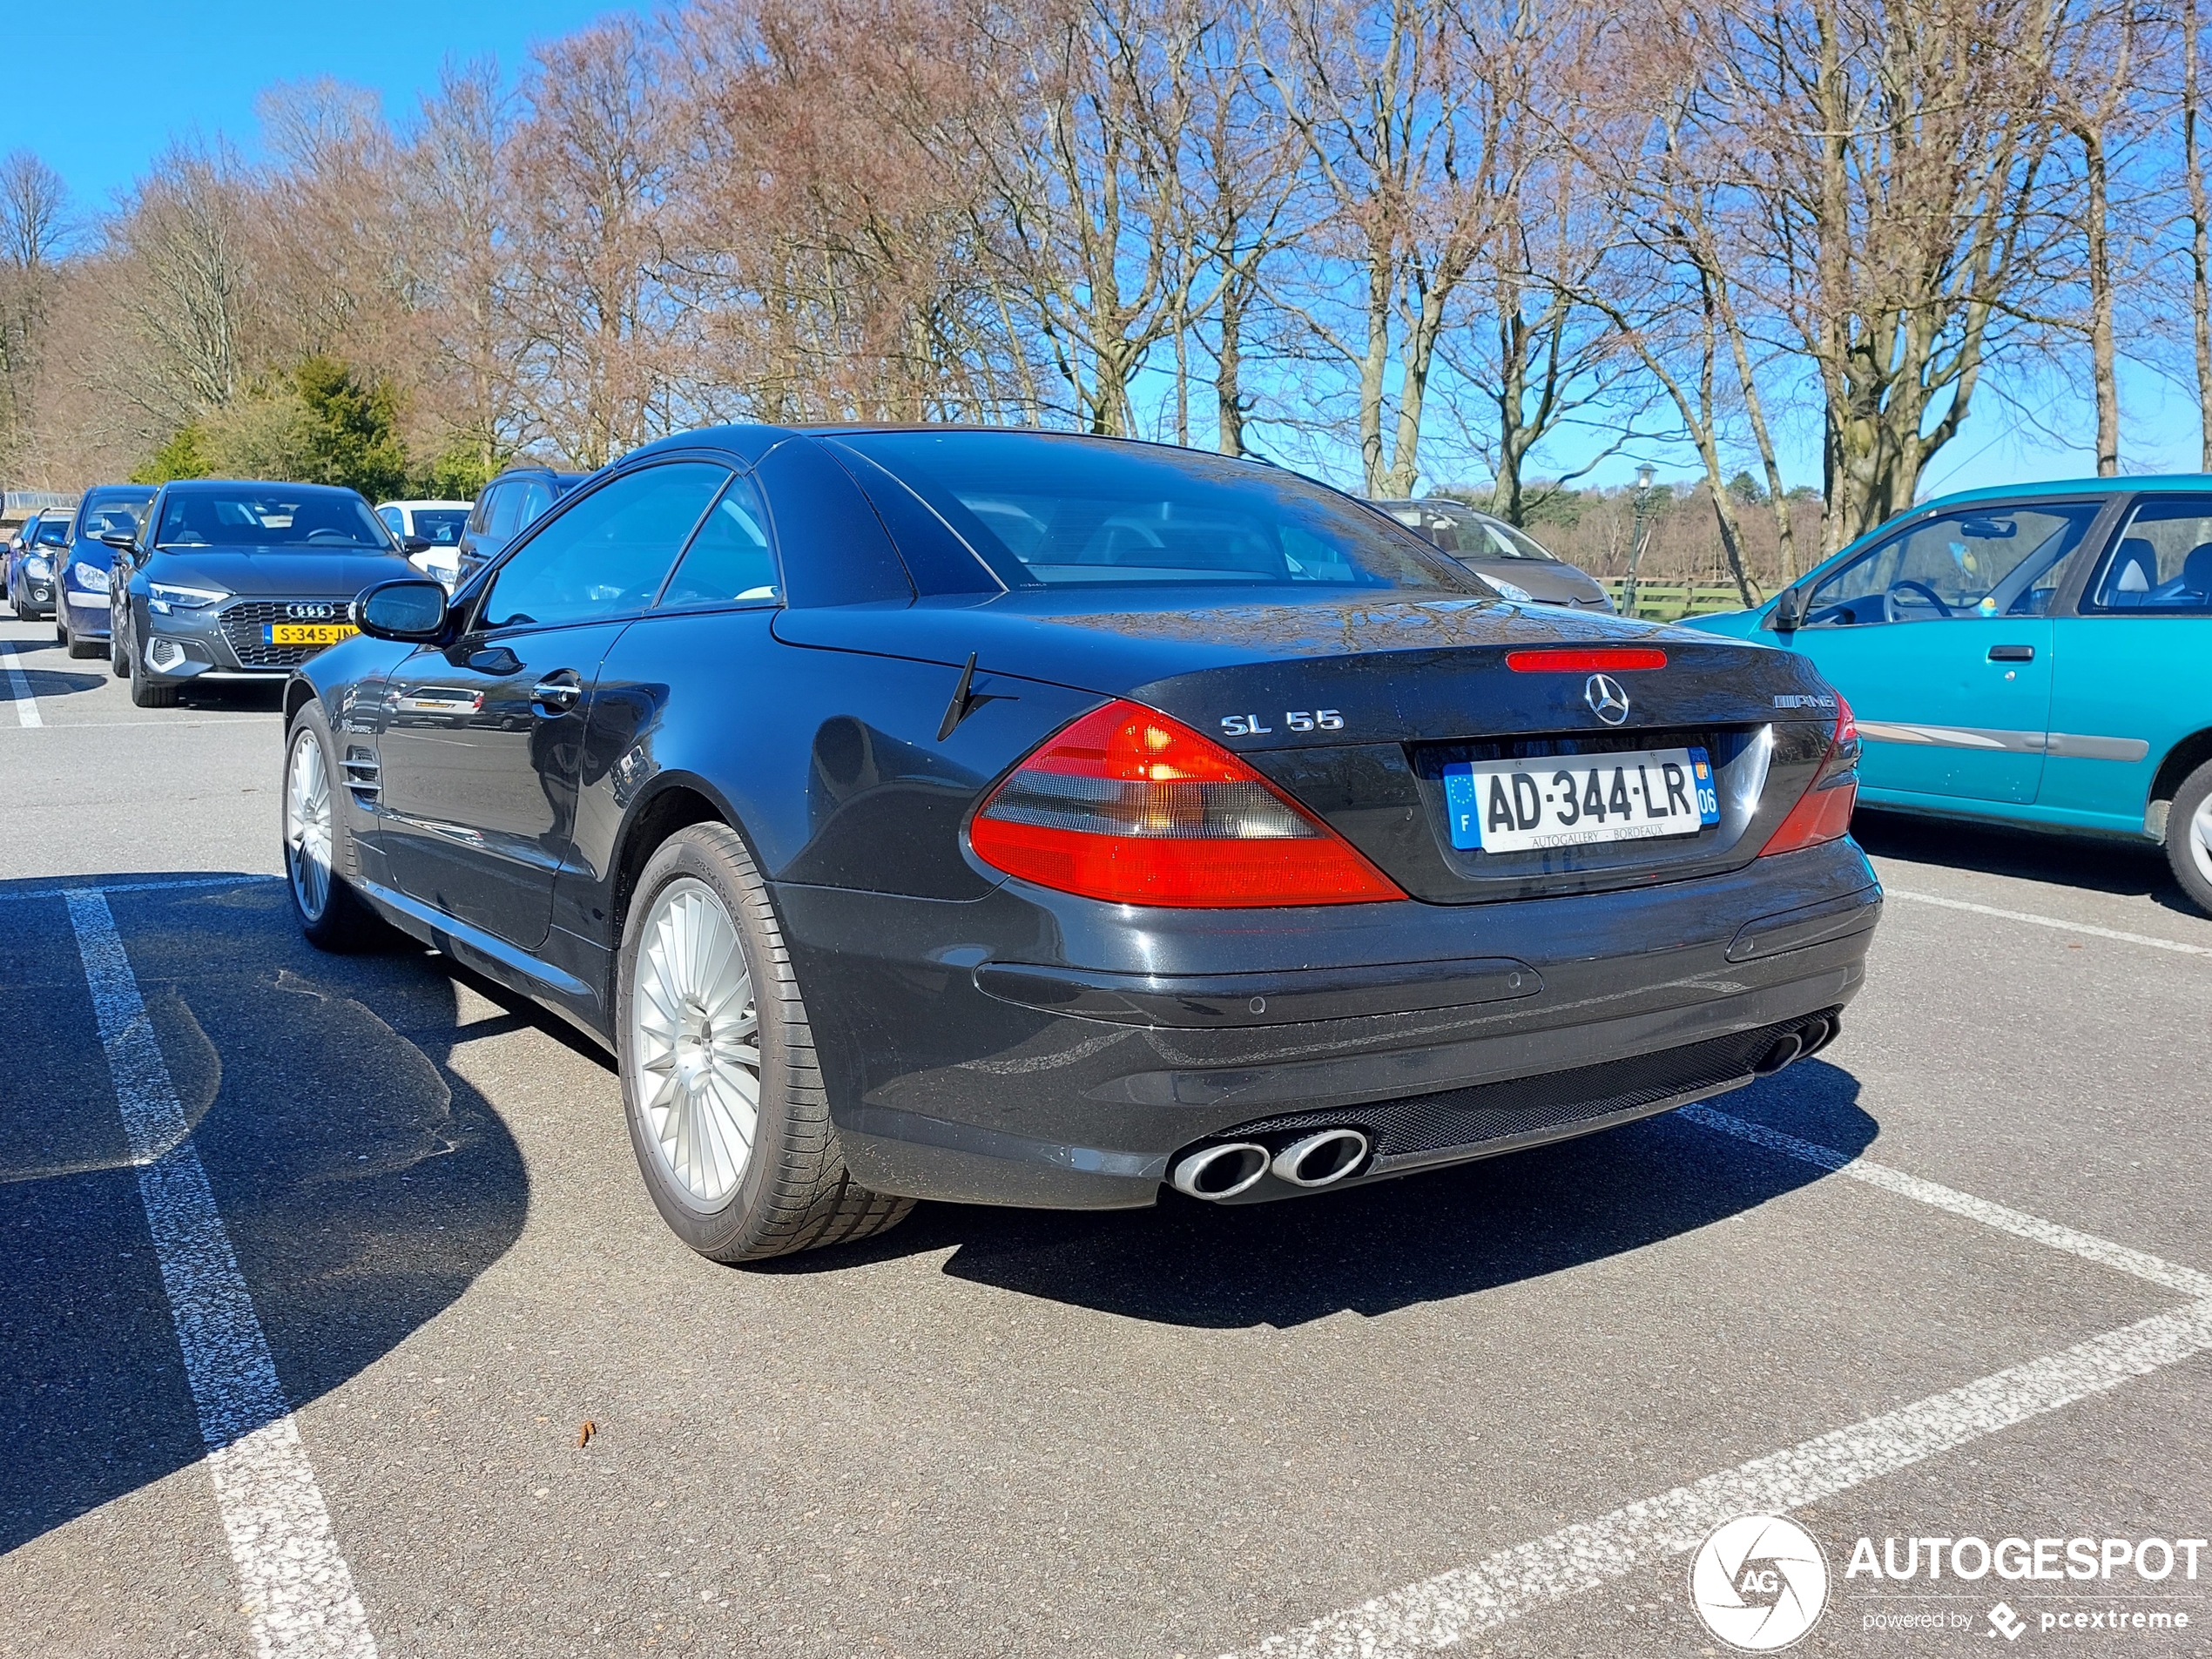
(2161,563)
(1991,561)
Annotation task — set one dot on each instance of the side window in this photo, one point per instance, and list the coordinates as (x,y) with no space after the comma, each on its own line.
(1996,561)
(2161,563)
(536,498)
(606,555)
(394,521)
(501,501)
(730,558)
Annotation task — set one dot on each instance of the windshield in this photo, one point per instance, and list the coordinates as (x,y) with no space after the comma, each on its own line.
(440,524)
(51,533)
(111,512)
(270,516)
(1463,532)
(1045,512)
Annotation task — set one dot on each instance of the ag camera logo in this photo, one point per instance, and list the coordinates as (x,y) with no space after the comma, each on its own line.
(1759,1583)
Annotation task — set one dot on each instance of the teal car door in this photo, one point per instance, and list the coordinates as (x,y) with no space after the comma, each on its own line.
(2129,683)
(1940,635)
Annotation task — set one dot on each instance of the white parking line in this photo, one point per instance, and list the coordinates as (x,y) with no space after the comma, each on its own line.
(2061,924)
(19,689)
(2089,1247)
(1452,1606)
(1456,1605)
(297,1592)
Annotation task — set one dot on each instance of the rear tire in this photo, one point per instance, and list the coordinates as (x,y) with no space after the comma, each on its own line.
(2188,836)
(699,1029)
(318,850)
(147,693)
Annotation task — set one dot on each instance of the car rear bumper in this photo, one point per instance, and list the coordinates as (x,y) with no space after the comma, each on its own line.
(1026,1049)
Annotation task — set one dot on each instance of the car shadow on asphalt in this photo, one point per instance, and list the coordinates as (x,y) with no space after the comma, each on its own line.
(2094,865)
(54,683)
(1374,1249)
(363,1183)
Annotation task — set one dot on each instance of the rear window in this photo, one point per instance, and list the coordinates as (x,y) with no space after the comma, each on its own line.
(1046,512)
(269,516)
(441,525)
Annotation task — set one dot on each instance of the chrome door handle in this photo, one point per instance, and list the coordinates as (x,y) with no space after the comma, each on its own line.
(558,695)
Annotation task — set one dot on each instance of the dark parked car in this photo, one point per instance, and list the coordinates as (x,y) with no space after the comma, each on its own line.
(83,573)
(36,553)
(1024,818)
(508,506)
(233,581)
(1510,559)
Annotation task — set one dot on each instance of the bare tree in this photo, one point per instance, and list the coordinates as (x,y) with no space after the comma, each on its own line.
(34,208)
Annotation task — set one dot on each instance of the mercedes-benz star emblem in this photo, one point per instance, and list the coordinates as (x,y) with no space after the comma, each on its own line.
(1606,700)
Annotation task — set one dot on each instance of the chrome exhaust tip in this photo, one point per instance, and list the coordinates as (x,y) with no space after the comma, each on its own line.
(1216,1172)
(1818,1036)
(1785,1049)
(1317,1159)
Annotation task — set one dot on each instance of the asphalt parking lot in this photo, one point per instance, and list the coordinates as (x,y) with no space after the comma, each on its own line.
(1493,1407)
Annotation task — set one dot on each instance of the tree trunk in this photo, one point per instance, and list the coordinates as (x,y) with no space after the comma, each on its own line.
(2097,232)
(2200,255)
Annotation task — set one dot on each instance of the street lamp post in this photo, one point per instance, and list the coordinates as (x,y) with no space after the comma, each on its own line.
(1637,530)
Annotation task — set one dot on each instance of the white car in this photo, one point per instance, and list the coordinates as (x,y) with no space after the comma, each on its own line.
(435,522)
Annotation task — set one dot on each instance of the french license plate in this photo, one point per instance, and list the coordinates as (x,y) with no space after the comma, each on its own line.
(1571,800)
(306,633)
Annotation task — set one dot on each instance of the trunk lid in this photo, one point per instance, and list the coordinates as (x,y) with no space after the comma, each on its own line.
(1357,710)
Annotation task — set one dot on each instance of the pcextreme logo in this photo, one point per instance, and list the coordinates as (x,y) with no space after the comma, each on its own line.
(1759,1583)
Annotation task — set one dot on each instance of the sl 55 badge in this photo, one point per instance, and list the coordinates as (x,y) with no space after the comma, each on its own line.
(1248,726)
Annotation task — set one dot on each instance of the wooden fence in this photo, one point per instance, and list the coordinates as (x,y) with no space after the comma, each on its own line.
(1672,601)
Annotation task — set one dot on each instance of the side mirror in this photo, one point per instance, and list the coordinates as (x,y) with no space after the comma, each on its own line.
(412,544)
(409,609)
(1789,611)
(120,539)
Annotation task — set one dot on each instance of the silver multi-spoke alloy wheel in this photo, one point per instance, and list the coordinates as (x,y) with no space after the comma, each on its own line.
(306,825)
(2200,834)
(695,1041)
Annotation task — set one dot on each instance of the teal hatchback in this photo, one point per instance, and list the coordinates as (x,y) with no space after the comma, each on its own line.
(2038,655)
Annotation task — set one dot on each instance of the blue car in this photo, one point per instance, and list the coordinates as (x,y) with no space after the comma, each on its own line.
(30,557)
(81,573)
(2031,655)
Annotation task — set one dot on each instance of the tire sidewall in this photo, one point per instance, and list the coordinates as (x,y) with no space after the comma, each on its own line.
(688,853)
(2187,801)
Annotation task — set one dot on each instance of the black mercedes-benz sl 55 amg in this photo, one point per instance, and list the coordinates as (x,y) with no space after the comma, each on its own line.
(1028,818)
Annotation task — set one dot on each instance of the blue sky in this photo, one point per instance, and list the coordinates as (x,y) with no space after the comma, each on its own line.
(134,74)
(131,73)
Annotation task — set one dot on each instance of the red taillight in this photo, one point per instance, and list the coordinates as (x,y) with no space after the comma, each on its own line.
(1584,662)
(1129,806)
(1823,813)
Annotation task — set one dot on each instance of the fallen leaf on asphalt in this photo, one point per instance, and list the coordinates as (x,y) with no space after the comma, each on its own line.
(585,1434)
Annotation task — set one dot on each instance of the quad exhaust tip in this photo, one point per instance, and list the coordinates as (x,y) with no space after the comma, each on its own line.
(1786,1049)
(1221,1171)
(1317,1160)
(1229,1168)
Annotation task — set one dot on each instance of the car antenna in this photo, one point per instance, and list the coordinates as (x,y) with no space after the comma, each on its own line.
(965,701)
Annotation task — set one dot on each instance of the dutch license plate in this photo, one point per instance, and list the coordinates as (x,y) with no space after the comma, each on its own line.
(1570,801)
(306,633)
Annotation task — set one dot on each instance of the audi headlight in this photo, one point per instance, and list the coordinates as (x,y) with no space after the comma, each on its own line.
(37,569)
(164,598)
(88,576)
